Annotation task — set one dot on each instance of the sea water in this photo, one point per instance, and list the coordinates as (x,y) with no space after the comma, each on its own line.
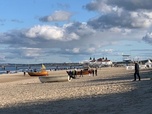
(26,68)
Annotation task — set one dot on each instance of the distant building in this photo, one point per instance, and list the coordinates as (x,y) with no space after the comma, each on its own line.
(100,62)
(104,61)
(148,64)
(126,59)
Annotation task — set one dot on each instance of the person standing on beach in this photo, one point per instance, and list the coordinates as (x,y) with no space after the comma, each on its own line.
(24,73)
(136,71)
(92,72)
(81,74)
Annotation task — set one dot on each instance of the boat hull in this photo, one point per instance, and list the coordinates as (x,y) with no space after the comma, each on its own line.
(84,72)
(44,73)
(49,79)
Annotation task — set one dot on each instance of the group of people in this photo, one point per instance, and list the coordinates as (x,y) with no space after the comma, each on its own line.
(74,73)
(93,72)
(90,71)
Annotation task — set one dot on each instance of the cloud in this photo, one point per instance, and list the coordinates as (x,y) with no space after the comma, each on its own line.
(109,5)
(57,16)
(148,38)
(68,40)
(91,49)
(76,50)
(31,52)
(112,14)
(47,32)
(50,33)
(81,29)
(132,4)
(44,39)
(98,5)
(2,58)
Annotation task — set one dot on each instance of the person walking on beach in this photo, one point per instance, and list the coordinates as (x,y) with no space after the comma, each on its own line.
(70,73)
(96,71)
(136,71)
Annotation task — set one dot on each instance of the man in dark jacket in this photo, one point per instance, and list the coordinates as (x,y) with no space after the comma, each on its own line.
(136,71)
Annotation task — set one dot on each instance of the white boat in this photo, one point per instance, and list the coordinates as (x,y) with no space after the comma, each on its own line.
(48,79)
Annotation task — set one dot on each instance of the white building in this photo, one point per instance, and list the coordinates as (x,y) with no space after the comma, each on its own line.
(148,64)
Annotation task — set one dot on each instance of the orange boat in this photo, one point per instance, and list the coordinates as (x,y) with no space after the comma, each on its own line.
(43,72)
(84,72)
(40,73)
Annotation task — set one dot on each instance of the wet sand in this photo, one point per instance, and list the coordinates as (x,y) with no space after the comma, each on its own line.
(111,92)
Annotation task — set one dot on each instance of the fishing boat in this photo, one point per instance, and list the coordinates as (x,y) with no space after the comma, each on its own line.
(79,72)
(84,72)
(42,72)
(49,79)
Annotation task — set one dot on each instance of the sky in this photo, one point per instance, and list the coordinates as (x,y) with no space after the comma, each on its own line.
(57,31)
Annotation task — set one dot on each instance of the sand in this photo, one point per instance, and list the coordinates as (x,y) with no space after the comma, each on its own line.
(111,92)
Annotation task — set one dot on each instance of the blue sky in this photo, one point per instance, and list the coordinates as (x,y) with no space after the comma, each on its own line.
(36,31)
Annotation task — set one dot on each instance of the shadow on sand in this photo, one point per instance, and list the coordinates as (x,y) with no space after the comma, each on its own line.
(138,101)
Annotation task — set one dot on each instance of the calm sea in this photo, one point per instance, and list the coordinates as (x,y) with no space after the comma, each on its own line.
(20,68)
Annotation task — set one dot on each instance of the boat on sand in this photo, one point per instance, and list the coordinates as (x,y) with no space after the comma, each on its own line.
(42,72)
(79,72)
(48,79)
(84,72)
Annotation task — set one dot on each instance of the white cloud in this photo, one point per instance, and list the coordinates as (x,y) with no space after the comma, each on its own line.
(108,50)
(131,5)
(45,31)
(2,57)
(91,50)
(140,19)
(120,30)
(76,50)
(148,38)
(31,52)
(99,5)
(51,33)
(113,14)
(57,16)
(148,14)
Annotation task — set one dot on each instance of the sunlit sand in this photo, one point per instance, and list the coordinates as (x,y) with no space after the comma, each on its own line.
(112,91)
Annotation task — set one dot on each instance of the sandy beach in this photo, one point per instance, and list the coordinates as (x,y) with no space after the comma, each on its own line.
(111,92)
